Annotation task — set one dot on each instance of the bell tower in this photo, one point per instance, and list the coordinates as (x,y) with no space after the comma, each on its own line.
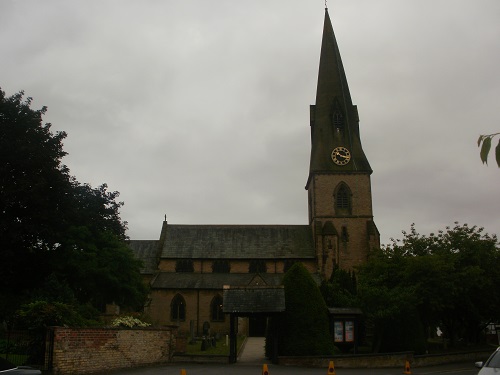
(338,185)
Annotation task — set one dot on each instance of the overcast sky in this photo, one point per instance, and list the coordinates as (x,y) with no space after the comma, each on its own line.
(200,109)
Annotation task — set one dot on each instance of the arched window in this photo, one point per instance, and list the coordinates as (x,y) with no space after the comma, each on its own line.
(216,314)
(342,197)
(257,266)
(178,309)
(343,200)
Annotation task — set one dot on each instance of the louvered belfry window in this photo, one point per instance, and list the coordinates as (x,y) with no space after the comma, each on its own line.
(338,120)
(343,200)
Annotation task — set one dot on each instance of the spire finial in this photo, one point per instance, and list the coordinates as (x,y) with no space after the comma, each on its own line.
(326,4)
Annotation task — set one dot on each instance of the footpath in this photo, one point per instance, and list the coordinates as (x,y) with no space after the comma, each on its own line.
(253,352)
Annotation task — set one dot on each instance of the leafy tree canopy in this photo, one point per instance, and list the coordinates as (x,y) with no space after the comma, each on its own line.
(51,226)
(341,289)
(448,279)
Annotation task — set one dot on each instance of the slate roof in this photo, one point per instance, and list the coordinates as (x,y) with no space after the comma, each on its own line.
(238,242)
(262,299)
(187,280)
(147,252)
(217,281)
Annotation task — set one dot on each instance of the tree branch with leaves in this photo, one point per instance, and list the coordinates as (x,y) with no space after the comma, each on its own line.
(484,142)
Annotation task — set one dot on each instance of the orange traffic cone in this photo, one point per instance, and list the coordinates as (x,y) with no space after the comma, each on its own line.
(183,372)
(331,369)
(407,368)
(265,371)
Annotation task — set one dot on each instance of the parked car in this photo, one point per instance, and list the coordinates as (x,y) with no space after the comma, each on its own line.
(491,366)
(7,367)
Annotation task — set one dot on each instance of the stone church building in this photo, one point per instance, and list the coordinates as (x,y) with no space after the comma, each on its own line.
(190,267)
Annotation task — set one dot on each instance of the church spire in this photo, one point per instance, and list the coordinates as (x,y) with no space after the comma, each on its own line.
(336,145)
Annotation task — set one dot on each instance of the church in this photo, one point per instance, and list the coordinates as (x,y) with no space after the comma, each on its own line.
(191,268)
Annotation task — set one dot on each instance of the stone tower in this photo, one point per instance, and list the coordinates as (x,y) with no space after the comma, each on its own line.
(338,185)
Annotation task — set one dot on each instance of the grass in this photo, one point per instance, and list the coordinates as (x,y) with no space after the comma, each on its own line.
(220,348)
(440,346)
(16,359)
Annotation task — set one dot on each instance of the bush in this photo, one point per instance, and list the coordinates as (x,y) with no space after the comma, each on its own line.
(304,327)
(38,315)
(128,322)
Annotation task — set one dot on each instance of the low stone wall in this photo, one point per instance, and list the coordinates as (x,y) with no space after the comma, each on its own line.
(470,357)
(91,350)
(350,361)
(385,360)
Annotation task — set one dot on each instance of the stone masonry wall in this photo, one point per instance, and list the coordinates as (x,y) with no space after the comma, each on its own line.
(387,360)
(91,350)
(346,254)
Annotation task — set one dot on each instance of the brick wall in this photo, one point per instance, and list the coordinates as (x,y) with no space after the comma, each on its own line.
(91,350)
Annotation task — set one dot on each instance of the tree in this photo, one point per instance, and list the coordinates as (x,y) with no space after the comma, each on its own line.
(446,279)
(34,189)
(304,327)
(53,227)
(485,140)
(100,268)
(388,303)
(340,290)
(474,261)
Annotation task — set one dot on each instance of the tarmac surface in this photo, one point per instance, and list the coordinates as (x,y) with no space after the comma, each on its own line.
(251,362)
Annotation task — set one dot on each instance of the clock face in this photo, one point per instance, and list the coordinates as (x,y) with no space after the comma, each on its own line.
(341,155)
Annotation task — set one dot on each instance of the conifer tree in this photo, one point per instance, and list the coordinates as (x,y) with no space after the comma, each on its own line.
(304,327)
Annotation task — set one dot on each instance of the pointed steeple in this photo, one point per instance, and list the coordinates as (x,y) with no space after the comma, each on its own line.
(334,119)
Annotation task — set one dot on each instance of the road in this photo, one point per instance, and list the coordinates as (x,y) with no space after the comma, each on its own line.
(251,361)
(255,369)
